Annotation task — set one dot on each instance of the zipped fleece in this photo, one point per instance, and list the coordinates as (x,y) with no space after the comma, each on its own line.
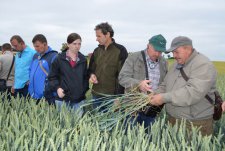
(73,80)
(186,99)
(106,65)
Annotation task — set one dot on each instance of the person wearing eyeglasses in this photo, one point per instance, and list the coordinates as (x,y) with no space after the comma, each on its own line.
(23,60)
(144,71)
(188,88)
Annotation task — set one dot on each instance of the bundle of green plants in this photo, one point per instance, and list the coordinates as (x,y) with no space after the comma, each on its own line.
(114,108)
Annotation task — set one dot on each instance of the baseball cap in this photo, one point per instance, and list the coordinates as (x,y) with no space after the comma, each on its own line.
(158,42)
(179,41)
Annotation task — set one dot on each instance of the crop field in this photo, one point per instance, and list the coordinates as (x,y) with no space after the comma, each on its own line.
(30,127)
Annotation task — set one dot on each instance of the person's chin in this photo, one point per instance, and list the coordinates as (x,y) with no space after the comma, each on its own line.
(178,61)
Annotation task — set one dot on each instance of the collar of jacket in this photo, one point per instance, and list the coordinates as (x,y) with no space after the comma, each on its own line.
(162,62)
(194,54)
(110,45)
(141,58)
(47,52)
(7,52)
(80,56)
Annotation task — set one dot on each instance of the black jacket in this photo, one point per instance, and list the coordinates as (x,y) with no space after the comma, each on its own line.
(73,80)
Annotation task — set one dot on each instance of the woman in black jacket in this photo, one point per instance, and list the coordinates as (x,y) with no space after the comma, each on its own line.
(68,75)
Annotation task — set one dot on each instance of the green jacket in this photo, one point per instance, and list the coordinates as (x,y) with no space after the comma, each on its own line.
(106,65)
(133,71)
(186,99)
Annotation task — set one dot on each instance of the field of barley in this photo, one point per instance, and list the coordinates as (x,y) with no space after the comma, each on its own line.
(30,127)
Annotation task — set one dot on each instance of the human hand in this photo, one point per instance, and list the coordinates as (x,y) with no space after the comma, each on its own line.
(12,90)
(144,86)
(60,92)
(155,99)
(223,106)
(93,79)
(117,105)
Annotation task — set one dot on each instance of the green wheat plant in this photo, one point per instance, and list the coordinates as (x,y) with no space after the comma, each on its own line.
(114,108)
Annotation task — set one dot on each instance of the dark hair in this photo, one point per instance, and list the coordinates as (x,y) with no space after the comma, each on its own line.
(6,46)
(72,37)
(18,38)
(105,27)
(39,37)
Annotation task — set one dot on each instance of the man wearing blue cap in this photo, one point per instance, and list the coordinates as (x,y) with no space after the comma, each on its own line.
(145,70)
(184,89)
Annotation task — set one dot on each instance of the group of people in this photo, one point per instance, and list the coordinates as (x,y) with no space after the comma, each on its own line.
(65,77)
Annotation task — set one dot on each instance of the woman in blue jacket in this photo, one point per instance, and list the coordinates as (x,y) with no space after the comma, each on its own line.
(68,75)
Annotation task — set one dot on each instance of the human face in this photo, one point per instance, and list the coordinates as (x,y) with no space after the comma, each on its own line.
(101,38)
(16,45)
(181,54)
(75,46)
(153,54)
(40,47)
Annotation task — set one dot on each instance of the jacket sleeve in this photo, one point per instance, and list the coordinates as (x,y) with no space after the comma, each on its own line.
(92,65)
(53,77)
(202,79)
(123,57)
(127,72)
(86,78)
(162,86)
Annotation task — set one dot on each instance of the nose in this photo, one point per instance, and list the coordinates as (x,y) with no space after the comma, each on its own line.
(158,53)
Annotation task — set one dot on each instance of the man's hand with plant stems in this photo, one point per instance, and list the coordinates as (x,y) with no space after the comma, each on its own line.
(144,86)
(93,79)
(156,100)
(223,106)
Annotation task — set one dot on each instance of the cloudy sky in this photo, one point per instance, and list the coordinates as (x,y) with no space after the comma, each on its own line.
(134,22)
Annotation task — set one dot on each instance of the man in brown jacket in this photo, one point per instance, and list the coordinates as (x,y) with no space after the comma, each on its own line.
(185,99)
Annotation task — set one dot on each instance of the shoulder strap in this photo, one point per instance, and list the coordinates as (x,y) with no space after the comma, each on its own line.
(49,61)
(186,78)
(10,68)
(146,67)
(43,69)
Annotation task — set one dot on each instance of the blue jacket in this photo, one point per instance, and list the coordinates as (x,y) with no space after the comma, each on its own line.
(37,75)
(22,63)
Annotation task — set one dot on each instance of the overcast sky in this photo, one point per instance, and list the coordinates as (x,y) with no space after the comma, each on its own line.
(133,21)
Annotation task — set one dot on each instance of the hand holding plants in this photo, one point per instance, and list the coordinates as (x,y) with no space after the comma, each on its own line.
(156,100)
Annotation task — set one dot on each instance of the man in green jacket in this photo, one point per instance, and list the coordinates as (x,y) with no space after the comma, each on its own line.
(184,98)
(106,63)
